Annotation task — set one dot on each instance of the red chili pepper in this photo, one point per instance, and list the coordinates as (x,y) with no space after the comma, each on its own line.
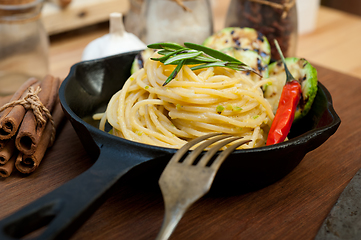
(285,114)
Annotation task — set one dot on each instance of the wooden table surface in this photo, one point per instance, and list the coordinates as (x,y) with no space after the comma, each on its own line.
(292,208)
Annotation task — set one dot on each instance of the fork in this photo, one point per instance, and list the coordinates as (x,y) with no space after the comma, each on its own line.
(183,182)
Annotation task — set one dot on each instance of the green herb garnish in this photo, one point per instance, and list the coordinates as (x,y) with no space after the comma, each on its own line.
(236,108)
(219,109)
(194,54)
(178,106)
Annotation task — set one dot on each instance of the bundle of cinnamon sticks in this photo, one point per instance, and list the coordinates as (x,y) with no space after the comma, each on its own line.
(28,122)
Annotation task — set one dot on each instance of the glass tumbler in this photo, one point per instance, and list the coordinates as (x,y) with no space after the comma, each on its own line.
(24,44)
(133,21)
(168,21)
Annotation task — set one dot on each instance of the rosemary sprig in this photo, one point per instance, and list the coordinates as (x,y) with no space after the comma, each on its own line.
(197,55)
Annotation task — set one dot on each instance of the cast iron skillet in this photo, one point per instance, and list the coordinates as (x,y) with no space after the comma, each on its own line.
(88,87)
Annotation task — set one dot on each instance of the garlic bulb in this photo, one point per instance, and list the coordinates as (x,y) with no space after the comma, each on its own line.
(115,42)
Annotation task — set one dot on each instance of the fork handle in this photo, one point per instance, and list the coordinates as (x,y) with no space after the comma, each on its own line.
(172,217)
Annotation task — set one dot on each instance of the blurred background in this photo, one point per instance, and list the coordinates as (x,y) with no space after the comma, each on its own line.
(350,6)
(63,15)
(328,30)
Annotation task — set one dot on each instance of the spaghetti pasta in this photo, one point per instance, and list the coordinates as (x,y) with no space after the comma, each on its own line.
(195,103)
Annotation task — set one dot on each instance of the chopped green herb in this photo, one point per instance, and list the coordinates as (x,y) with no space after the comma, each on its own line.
(178,106)
(254,117)
(146,87)
(229,107)
(219,109)
(236,108)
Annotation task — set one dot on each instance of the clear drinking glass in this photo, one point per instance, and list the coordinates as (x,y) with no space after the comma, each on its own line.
(167,21)
(276,19)
(24,44)
(133,21)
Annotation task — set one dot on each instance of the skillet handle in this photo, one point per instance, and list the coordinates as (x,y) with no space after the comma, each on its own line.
(66,208)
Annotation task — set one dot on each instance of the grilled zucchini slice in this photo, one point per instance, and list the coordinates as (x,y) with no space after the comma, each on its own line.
(302,71)
(140,59)
(251,58)
(246,38)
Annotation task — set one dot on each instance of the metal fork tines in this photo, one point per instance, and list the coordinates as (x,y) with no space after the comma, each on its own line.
(183,182)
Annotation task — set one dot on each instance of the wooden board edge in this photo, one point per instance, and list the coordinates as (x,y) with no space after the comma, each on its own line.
(79,13)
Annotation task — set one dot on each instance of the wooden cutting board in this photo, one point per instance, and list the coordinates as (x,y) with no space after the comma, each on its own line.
(79,13)
(293,208)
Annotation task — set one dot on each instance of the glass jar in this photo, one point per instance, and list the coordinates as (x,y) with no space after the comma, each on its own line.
(276,19)
(24,44)
(169,21)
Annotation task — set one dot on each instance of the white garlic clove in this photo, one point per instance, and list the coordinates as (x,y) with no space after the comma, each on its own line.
(115,42)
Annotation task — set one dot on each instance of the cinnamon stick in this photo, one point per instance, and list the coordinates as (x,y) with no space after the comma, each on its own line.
(27,163)
(4,100)
(3,143)
(7,169)
(11,117)
(30,131)
(7,151)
